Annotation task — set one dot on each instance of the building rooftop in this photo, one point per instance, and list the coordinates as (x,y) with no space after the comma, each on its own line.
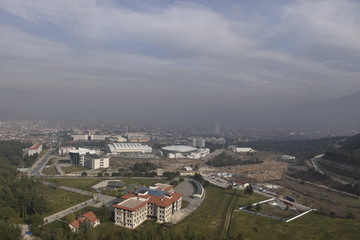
(132,203)
(35,146)
(179,148)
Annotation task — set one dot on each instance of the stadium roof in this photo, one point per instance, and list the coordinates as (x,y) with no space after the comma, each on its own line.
(179,148)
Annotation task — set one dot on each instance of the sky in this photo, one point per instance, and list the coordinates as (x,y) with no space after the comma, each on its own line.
(163,60)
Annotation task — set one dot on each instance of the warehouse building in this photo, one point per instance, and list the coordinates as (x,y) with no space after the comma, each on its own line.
(126,148)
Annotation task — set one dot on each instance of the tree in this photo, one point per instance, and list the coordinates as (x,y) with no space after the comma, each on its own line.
(9,231)
(6,213)
(181,179)
(258,207)
(70,218)
(249,189)
(84,174)
(100,174)
(36,224)
(174,183)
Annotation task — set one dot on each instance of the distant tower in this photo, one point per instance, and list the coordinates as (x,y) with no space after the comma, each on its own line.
(216,129)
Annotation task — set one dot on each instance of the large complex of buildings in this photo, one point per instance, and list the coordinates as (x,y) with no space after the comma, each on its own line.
(89,158)
(158,202)
(35,149)
(123,148)
(181,151)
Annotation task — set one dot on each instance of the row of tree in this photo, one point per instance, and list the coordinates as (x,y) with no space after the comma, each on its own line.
(11,153)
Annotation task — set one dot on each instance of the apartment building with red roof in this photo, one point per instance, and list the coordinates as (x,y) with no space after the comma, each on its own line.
(36,148)
(148,203)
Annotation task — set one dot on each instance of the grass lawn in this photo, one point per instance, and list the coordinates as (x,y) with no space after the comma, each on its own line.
(71,169)
(184,204)
(83,183)
(142,181)
(50,171)
(59,199)
(310,226)
(208,219)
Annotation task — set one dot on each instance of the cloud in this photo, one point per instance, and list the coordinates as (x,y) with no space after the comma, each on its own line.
(301,49)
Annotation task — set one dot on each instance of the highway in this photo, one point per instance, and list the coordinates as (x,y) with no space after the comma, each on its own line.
(40,163)
(315,163)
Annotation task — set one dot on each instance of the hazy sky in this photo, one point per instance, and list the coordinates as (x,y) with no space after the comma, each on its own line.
(160,59)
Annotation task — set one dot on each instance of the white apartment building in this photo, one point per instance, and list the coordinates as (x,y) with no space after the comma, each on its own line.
(94,161)
(158,202)
(35,149)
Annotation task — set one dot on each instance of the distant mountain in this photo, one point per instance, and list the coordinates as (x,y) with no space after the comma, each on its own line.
(341,112)
(348,153)
(352,143)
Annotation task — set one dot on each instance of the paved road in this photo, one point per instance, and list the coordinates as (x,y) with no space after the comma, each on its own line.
(217,181)
(69,210)
(187,189)
(315,163)
(39,165)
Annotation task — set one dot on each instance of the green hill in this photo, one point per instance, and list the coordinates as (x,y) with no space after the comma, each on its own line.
(348,153)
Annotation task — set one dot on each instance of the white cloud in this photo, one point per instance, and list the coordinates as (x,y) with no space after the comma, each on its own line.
(334,22)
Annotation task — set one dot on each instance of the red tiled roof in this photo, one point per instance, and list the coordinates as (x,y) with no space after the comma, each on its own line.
(35,146)
(160,201)
(81,219)
(91,216)
(77,223)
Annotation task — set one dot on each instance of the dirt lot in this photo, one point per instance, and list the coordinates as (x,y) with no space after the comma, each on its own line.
(269,169)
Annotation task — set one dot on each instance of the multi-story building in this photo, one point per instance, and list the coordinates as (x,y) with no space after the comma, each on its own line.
(80,137)
(35,149)
(94,161)
(89,158)
(159,202)
(138,137)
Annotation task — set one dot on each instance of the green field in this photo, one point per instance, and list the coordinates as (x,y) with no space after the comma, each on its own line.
(310,226)
(59,199)
(50,171)
(71,169)
(84,183)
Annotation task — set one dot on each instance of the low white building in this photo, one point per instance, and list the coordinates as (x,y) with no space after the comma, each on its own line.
(65,150)
(181,151)
(35,149)
(80,137)
(243,149)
